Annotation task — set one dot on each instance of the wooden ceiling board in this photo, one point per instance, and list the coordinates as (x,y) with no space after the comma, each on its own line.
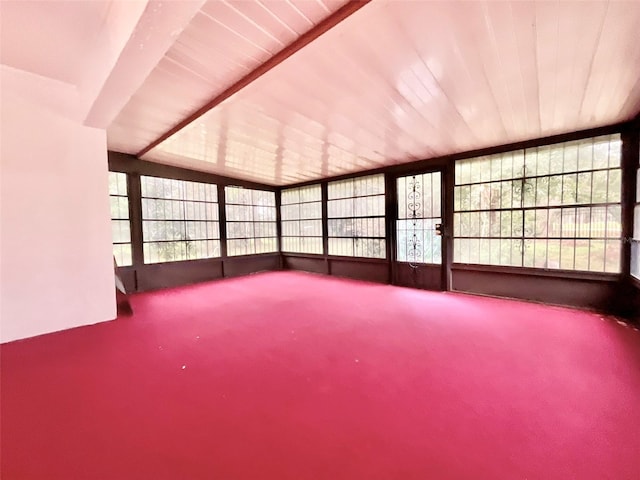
(224,41)
(394,82)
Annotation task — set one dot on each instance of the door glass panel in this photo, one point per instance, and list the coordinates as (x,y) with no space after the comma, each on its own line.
(419,211)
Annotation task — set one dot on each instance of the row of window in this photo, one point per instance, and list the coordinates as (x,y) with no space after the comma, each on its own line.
(551,207)
(355,218)
(180,220)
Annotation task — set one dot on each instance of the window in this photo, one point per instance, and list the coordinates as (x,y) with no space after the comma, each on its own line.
(120,226)
(301,214)
(251,221)
(356,217)
(419,211)
(179,220)
(552,207)
(635,240)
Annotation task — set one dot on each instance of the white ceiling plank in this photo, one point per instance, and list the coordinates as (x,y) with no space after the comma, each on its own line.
(525,39)
(621,22)
(547,26)
(394,82)
(223,42)
(580,36)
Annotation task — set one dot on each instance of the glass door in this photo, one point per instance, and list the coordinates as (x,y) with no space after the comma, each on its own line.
(418,232)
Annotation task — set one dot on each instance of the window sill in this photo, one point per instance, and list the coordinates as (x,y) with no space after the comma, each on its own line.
(538,272)
(341,258)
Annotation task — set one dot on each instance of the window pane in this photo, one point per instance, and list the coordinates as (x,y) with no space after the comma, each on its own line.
(612,256)
(582,255)
(158,252)
(614,187)
(117,183)
(120,231)
(122,254)
(635,259)
(567,251)
(540,254)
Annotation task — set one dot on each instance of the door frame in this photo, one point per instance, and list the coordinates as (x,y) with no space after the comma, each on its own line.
(446,192)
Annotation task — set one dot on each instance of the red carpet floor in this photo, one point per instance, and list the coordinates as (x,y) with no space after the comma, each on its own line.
(293,376)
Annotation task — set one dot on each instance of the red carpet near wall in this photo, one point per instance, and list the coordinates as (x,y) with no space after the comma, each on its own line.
(288,375)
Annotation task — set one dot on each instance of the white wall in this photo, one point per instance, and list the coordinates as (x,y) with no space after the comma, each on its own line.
(56,264)
(56,269)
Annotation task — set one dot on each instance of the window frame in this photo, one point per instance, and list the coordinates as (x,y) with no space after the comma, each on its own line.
(215,238)
(287,218)
(359,203)
(125,196)
(523,239)
(250,239)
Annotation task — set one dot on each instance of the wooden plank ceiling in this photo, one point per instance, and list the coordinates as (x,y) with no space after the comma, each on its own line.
(392,83)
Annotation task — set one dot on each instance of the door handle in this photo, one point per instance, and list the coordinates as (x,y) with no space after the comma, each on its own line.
(439,229)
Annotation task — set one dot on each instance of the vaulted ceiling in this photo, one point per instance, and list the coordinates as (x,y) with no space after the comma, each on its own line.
(287,91)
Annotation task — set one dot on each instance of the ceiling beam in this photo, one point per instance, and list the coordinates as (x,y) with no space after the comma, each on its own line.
(147,41)
(305,39)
